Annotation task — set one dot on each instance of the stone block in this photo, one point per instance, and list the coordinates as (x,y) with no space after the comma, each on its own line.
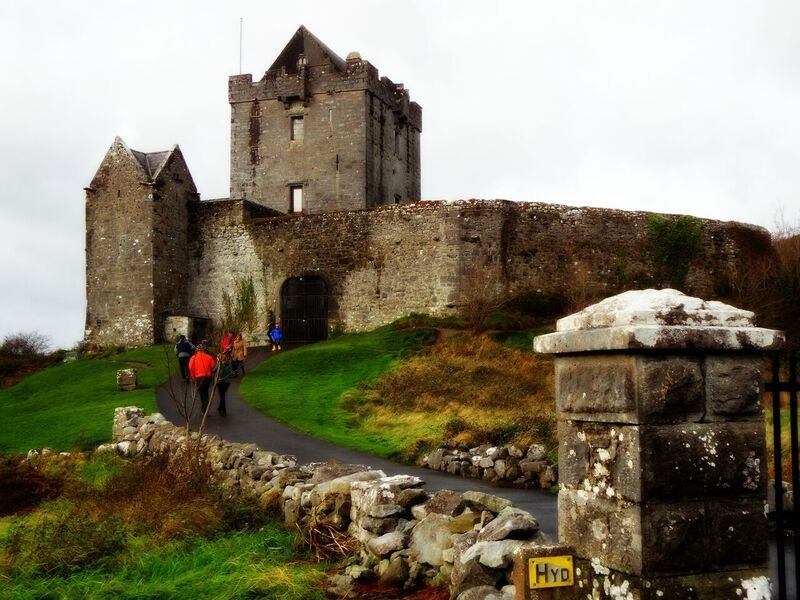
(597,526)
(127,380)
(595,385)
(639,463)
(735,535)
(669,388)
(701,459)
(665,538)
(734,386)
(674,538)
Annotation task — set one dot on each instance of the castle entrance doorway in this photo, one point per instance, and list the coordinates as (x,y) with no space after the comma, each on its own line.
(304,309)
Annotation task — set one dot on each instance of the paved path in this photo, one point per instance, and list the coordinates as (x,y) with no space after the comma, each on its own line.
(246,425)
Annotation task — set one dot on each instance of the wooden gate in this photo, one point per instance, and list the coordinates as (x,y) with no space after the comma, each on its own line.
(304,309)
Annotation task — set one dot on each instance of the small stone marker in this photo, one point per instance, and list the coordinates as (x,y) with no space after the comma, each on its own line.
(544,573)
(127,380)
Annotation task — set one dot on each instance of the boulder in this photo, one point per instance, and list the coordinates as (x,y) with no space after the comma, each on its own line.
(482,592)
(443,502)
(469,573)
(495,555)
(536,452)
(393,571)
(429,538)
(387,544)
(322,472)
(510,523)
(481,501)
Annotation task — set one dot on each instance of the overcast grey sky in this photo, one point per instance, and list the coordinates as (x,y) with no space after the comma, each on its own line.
(672,106)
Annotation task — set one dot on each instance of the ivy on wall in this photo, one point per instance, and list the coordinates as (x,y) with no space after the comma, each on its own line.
(240,308)
(674,242)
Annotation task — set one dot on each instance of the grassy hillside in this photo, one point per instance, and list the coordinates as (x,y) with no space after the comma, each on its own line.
(306,387)
(468,388)
(71,405)
(395,393)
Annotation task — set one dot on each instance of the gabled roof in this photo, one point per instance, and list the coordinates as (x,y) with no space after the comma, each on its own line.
(151,162)
(316,53)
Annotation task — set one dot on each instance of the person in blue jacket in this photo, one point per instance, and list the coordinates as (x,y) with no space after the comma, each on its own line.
(276,335)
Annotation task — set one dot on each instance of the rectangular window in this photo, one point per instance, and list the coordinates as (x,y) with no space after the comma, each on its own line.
(398,198)
(296,198)
(297,128)
(397,140)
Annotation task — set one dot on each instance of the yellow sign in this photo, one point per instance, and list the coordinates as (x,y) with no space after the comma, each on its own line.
(550,571)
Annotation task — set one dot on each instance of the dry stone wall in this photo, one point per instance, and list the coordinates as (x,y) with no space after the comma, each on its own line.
(403,535)
(521,466)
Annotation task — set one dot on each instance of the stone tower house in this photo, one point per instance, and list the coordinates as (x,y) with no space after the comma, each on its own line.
(137,221)
(319,133)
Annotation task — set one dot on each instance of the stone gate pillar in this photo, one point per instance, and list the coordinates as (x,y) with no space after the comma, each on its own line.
(662,447)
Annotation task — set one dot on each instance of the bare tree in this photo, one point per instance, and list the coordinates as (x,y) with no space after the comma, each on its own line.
(30,343)
(481,292)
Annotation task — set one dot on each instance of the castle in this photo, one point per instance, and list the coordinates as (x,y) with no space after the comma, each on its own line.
(325,218)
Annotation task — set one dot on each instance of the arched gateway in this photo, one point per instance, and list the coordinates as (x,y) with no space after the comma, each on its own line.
(304,309)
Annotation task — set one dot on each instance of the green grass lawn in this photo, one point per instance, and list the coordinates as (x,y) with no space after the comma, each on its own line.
(306,387)
(249,564)
(72,404)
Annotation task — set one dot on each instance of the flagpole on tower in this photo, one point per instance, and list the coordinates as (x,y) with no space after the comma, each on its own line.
(240,44)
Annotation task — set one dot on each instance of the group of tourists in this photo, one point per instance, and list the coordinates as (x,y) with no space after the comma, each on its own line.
(200,367)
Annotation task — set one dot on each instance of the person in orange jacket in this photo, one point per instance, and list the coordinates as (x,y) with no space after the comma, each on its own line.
(201,369)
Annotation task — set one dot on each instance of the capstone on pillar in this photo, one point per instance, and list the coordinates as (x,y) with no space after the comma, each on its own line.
(662,446)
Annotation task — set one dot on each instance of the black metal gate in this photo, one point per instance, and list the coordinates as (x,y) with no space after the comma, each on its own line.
(784,391)
(304,309)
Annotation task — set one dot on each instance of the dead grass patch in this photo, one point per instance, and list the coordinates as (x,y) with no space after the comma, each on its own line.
(468,388)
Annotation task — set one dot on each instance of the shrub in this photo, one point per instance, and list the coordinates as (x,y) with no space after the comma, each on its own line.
(31,343)
(674,244)
(240,309)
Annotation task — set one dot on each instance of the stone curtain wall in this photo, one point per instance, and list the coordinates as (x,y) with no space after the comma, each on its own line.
(386,262)
(403,535)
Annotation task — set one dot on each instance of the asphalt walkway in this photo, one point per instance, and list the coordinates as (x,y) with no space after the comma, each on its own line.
(245,425)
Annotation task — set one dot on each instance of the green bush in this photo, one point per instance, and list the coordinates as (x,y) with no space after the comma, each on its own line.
(674,244)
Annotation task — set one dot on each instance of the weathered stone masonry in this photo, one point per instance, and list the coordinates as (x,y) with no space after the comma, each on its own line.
(348,137)
(661,446)
(387,262)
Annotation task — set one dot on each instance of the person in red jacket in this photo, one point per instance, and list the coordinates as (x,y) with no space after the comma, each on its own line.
(201,369)
(227,341)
